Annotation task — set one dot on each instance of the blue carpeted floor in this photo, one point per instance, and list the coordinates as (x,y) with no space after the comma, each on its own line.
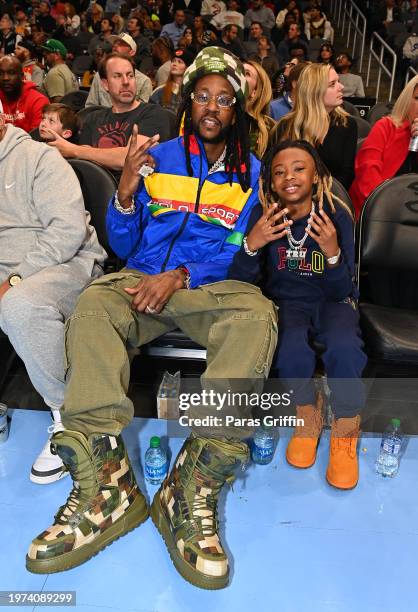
(296,544)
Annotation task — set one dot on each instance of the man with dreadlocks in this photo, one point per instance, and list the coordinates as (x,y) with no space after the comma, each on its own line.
(179,228)
(305,245)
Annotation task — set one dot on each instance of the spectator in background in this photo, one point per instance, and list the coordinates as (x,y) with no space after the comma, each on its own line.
(106,32)
(94,19)
(385,152)
(22,24)
(260,13)
(48,254)
(20,102)
(251,45)
(231,42)
(230,16)
(162,51)
(318,26)
(143,45)
(293,35)
(26,53)
(8,37)
(257,107)
(353,83)
(189,41)
(59,81)
(290,5)
(265,57)
(175,29)
(278,82)
(168,95)
(72,20)
(44,19)
(124,45)
(104,137)
(284,105)
(298,50)
(318,117)
(212,8)
(60,118)
(410,16)
(326,54)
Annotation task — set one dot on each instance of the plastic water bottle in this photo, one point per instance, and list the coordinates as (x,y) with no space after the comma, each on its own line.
(264,444)
(156,464)
(387,463)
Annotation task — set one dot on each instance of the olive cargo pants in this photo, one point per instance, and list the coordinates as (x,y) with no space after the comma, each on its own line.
(232,319)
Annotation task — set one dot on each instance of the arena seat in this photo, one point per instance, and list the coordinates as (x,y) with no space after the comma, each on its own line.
(363,126)
(378,111)
(351,109)
(98,186)
(388,243)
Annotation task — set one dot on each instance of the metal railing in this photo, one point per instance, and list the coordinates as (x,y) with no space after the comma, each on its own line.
(357,23)
(411,72)
(384,50)
(336,10)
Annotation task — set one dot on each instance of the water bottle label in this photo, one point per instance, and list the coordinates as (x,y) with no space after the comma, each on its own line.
(156,472)
(264,452)
(391,446)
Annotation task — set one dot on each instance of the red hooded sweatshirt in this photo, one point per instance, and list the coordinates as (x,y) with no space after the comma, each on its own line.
(26,111)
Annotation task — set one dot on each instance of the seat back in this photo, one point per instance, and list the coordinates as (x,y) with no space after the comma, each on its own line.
(351,109)
(75,99)
(341,192)
(363,127)
(98,187)
(378,111)
(388,242)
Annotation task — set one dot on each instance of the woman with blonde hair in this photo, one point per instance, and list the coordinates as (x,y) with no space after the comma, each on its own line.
(385,152)
(260,95)
(318,118)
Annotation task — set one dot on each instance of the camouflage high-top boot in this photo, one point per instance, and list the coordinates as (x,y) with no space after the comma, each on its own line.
(184,509)
(104,503)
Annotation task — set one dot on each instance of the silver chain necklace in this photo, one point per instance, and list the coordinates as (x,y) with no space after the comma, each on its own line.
(219,162)
(296,250)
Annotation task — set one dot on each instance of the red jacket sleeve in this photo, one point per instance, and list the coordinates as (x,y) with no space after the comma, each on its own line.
(369,164)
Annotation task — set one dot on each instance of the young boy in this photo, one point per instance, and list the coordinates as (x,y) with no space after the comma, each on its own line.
(60,118)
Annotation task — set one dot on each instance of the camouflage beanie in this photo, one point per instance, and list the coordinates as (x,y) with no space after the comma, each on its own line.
(214,60)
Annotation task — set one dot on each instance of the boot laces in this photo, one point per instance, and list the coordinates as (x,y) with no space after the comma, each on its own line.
(78,501)
(208,523)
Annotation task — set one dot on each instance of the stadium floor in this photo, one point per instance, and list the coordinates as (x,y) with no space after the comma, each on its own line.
(296,544)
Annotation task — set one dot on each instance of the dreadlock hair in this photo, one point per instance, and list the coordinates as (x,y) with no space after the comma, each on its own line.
(323,187)
(237,156)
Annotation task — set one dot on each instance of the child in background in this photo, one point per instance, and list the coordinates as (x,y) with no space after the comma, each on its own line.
(61,119)
(304,245)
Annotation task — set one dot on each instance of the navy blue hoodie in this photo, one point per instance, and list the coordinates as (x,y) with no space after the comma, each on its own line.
(308,281)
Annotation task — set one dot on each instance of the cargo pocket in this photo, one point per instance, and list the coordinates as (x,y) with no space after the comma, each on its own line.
(268,346)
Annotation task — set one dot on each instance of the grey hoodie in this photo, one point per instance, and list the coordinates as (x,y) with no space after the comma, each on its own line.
(43,221)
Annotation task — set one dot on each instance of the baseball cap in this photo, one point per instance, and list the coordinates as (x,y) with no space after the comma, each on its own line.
(27,44)
(55,46)
(185,55)
(128,40)
(214,60)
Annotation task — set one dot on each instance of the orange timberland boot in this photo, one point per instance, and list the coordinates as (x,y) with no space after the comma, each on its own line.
(301,450)
(342,471)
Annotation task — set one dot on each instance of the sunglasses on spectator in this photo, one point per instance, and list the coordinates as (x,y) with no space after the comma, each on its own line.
(221,100)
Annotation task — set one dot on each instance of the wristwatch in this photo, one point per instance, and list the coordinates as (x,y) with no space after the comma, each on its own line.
(125,211)
(186,283)
(333,260)
(14,279)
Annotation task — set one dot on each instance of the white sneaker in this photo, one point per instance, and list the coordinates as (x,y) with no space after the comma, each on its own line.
(48,467)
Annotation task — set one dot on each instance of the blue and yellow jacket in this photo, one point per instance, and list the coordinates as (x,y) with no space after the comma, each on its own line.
(193,221)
